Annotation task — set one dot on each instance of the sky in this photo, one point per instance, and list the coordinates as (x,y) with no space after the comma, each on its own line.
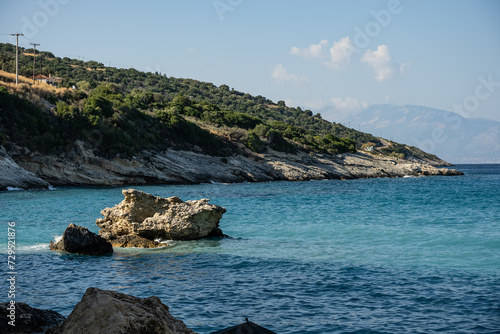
(341,55)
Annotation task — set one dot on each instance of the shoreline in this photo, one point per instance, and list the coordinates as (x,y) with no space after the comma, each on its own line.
(37,171)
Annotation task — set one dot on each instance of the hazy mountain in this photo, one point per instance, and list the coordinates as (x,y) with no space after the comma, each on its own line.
(446,134)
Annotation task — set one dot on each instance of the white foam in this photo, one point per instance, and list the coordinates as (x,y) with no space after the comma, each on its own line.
(163,241)
(215,182)
(36,248)
(57,238)
(14,188)
(51,187)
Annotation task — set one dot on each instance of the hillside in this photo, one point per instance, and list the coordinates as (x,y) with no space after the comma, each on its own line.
(110,114)
(222,106)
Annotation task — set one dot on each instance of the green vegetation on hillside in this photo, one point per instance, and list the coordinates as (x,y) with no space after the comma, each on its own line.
(133,111)
(105,120)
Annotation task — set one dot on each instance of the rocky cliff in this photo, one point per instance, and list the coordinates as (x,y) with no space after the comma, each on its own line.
(14,176)
(82,167)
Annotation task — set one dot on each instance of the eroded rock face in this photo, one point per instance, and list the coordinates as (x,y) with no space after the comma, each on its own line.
(104,311)
(154,217)
(14,176)
(82,167)
(79,240)
(27,319)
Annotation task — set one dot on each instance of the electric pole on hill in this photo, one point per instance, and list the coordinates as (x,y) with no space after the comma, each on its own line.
(34,56)
(17,56)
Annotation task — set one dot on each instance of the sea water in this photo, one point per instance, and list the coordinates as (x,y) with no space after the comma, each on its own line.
(400,255)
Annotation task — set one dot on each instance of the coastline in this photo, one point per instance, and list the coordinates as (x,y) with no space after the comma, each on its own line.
(81,167)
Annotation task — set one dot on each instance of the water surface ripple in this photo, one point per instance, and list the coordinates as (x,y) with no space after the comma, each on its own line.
(408,255)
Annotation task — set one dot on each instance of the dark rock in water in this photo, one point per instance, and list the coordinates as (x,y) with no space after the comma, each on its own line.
(247,327)
(27,319)
(131,241)
(217,233)
(110,312)
(79,240)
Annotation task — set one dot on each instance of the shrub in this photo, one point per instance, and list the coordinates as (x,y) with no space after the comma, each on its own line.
(254,143)
(278,143)
(261,130)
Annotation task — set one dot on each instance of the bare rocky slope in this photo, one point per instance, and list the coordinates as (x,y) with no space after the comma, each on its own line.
(81,167)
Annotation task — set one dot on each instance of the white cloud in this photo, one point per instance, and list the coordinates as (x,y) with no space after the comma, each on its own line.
(348,104)
(281,75)
(382,64)
(314,50)
(380,60)
(341,52)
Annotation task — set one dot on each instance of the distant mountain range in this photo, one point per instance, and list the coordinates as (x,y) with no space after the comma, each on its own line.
(446,134)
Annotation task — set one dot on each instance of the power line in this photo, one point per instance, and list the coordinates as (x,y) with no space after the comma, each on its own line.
(17,56)
(34,57)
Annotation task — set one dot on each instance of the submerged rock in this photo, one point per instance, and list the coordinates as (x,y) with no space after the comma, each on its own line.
(152,217)
(131,241)
(27,319)
(110,312)
(79,240)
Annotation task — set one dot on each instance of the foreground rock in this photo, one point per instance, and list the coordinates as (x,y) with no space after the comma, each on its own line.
(151,217)
(79,240)
(110,312)
(27,319)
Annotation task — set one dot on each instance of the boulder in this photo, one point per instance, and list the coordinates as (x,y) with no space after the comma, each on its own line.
(27,319)
(153,218)
(79,240)
(110,312)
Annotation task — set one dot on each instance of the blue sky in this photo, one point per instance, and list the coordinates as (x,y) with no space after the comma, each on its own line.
(313,54)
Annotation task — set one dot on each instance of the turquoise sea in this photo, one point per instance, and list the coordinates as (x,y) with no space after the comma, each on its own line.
(402,255)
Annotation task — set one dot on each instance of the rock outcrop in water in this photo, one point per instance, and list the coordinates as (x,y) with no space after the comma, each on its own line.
(79,240)
(27,319)
(111,312)
(143,217)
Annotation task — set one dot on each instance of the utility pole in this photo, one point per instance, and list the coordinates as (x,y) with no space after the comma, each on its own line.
(17,56)
(34,57)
